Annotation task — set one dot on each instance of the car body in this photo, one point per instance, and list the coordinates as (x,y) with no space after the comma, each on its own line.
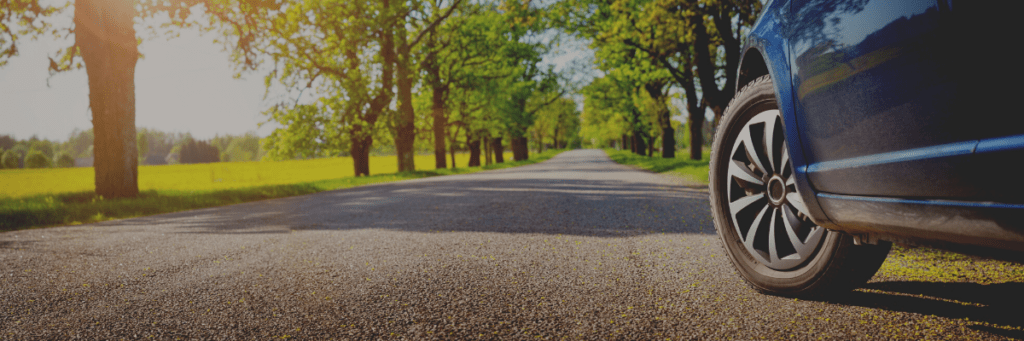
(881,140)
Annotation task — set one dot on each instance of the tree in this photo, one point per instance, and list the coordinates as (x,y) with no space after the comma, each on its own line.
(557,122)
(529,87)
(10,159)
(624,40)
(342,51)
(106,45)
(714,31)
(43,146)
(451,55)
(79,143)
(142,142)
(7,142)
(425,21)
(36,159)
(696,42)
(64,160)
(239,148)
(193,151)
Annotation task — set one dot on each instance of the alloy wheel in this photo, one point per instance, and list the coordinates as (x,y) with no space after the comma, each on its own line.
(764,206)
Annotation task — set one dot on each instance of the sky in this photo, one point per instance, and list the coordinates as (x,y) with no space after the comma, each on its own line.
(184,84)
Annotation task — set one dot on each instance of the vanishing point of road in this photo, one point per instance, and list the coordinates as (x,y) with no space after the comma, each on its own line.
(577,247)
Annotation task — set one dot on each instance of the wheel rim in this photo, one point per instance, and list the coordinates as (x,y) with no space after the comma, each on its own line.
(766,211)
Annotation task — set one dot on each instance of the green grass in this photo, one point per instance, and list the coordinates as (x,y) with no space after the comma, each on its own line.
(681,165)
(932,265)
(17,183)
(185,187)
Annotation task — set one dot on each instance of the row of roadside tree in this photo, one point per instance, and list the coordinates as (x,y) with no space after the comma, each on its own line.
(365,73)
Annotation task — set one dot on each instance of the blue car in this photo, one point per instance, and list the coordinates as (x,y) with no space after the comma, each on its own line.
(849,133)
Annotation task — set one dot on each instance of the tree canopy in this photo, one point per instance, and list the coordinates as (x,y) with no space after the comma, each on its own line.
(411,76)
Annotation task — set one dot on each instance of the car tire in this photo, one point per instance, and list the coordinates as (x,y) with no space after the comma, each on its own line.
(761,218)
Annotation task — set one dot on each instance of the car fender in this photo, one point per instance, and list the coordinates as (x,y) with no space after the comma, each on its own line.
(766,50)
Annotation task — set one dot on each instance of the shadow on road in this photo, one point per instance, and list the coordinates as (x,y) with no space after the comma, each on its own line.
(526,205)
(997,304)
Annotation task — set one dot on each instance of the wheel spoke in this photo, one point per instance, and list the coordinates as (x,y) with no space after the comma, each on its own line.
(791,222)
(741,172)
(794,199)
(749,238)
(813,238)
(772,248)
(769,143)
(743,202)
(752,154)
(748,241)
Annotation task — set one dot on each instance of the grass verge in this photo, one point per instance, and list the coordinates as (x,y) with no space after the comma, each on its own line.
(681,165)
(83,207)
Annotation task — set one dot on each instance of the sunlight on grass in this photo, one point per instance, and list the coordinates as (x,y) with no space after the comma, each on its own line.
(933,265)
(681,165)
(207,176)
(36,198)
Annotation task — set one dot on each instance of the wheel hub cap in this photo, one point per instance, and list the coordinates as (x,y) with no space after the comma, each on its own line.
(776,190)
(767,213)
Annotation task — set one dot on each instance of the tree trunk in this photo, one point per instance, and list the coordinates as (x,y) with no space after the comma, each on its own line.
(668,140)
(474,151)
(639,142)
(487,149)
(625,144)
(696,136)
(360,151)
(452,146)
(499,150)
(717,99)
(405,134)
(519,148)
(106,40)
(437,113)
(440,123)
(650,147)
(554,137)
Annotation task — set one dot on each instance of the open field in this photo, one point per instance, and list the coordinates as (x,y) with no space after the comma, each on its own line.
(18,183)
(681,165)
(46,197)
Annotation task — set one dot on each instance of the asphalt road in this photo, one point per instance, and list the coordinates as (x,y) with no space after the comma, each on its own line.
(577,247)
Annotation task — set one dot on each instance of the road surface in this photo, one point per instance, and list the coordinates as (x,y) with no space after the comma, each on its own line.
(577,247)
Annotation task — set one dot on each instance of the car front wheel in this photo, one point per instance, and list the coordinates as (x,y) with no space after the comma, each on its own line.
(762,219)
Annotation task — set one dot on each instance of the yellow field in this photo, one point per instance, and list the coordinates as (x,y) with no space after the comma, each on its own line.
(210,176)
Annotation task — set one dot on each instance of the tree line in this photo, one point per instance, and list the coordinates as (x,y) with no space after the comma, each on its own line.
(433,74)
(646,48)
(155,148)
(33,153)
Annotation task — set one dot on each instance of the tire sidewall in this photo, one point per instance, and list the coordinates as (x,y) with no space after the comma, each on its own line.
(755,98)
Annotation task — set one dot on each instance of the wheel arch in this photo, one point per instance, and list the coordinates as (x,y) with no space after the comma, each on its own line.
(752,65)
(766,52)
